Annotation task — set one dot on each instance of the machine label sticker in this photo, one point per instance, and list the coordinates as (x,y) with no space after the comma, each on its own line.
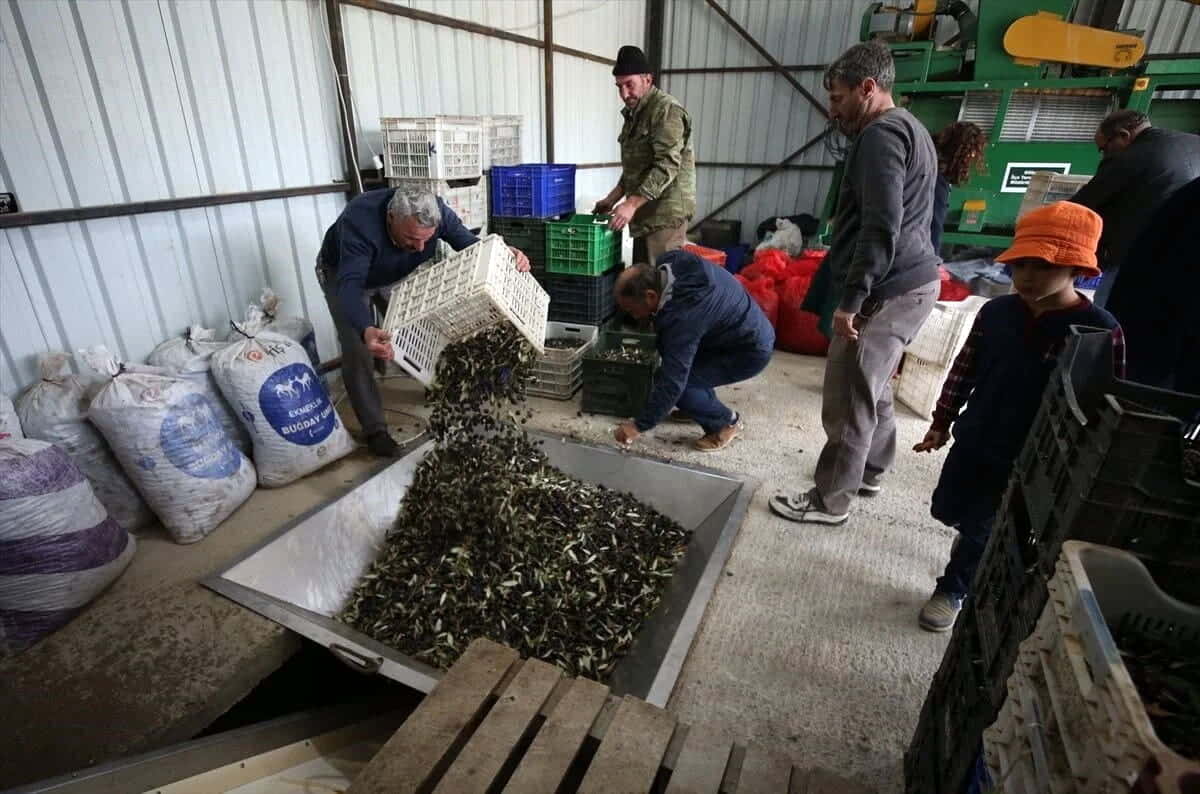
(294,401)
(193,440)
(1017,175)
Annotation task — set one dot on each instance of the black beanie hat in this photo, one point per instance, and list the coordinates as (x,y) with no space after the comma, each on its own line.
(631,60)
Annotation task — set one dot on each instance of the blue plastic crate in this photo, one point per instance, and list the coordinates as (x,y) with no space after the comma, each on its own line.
(533,190)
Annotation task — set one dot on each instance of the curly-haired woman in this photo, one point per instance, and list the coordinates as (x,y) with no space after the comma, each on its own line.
(960,152)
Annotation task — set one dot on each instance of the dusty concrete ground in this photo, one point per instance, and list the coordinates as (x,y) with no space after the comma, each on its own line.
(810,644)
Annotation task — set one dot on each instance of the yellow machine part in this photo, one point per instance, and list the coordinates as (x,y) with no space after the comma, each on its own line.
(1047,37)
(923,19)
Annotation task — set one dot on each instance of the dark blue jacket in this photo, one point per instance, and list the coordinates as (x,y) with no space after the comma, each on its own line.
(704,312)
(360,253)
(941,205)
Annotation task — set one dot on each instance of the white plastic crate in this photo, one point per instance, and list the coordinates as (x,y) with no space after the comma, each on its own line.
(465,293)
(501,140)
(558,373)
(1093,715)
(946,330)
(440,147)
(921,384)
(469,202)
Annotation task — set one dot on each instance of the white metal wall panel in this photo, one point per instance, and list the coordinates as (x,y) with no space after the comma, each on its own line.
(600,27)
(587,112)
(1170,26)
(515,16)
(112,101)
(756,117)
(399,67)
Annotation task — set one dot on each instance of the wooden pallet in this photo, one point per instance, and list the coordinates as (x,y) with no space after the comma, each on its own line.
(497,724)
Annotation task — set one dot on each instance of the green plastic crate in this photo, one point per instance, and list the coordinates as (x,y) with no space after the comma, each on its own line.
(525,234)
(617,388)
(582,245)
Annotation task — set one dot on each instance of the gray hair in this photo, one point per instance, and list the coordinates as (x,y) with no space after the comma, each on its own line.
(871,59)
(1122,121)
(418,204)
(642,277)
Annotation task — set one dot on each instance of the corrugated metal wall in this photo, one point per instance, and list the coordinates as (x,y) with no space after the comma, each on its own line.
(756,117)
(1171,26)
(112,101)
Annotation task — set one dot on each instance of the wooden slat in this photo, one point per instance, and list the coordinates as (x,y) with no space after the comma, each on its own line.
(763,772)
(418,752)
(631,751)
(559,740)
(495,741)
(820,781)
(701,764)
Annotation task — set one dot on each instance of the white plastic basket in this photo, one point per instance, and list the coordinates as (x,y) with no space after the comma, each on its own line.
(501,140)
(469,202)
(1092,714)
(459,296)
(946,330)
(921,384)
(439,147)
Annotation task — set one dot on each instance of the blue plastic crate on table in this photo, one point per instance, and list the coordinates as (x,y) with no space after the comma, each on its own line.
(532,190)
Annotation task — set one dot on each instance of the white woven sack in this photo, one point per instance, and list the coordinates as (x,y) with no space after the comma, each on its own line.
(269,380)
(55,410)
(10,426)
(61,547)
(190,355)
(165,431)
(295,328)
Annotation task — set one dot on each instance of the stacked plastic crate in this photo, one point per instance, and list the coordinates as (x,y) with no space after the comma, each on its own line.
(583,257)
(558,373)
(618,385)
(443,155)
(930,355)
(1104,462)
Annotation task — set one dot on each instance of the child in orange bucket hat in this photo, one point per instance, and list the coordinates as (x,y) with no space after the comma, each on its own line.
(1000,375)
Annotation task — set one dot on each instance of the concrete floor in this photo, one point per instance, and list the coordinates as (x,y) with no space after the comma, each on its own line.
(809,646)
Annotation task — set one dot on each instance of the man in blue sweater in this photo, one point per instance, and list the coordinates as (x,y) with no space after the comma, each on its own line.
(710,333)
(380,237)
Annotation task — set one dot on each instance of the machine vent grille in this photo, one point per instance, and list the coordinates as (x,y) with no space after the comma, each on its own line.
(1038,116)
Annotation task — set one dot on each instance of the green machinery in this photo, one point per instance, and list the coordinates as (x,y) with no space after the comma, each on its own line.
(1037,85)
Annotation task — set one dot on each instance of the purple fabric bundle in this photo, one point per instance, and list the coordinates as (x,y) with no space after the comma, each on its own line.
(58,547)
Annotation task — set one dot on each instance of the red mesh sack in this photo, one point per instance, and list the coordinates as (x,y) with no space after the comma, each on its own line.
(797,330)
(769,263)
(952,288)
(763,292)
(806,264)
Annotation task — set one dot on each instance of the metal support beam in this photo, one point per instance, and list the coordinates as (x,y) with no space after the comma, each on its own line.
(337,42)
(798,67)
(470,27)
(780,166)
(68,214)
(656,13)
(548,58)
(761,50)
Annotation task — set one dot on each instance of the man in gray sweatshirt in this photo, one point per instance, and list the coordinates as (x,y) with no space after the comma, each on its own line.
(882,260)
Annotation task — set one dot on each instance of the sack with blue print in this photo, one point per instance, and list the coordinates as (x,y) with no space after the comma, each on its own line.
(55,410)
(269,380)
(190,355)
(295,328)
(167,434)
(59,548)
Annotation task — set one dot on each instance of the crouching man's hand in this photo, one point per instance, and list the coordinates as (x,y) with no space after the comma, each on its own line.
(626,433)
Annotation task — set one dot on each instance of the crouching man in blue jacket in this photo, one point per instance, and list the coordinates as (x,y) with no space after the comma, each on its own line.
(710,333)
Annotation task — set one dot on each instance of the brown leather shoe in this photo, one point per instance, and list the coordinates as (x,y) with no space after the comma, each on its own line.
(714,442)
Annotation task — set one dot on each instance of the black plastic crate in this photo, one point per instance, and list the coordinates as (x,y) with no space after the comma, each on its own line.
(526,234)
(617,388)
(581,299)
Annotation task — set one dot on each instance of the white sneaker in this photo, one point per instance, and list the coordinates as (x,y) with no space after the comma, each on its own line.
(804,508)
(940,612)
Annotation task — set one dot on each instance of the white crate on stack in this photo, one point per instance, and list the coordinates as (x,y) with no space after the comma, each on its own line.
(558,373)
(437,147)
(469,202)
(468,291)
(930,355)
(501,141)
(1073,711)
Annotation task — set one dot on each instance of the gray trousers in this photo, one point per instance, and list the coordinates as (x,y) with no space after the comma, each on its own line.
(358,365)
(653,245)
(856,400)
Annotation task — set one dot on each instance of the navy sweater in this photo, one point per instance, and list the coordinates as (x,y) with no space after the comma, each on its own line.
(1002,372)
(361,254)
(704,312)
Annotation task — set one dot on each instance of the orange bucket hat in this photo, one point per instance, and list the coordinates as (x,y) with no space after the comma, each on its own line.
(1062,233)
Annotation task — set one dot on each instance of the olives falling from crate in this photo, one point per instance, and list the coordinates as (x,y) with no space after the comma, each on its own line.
(492,541)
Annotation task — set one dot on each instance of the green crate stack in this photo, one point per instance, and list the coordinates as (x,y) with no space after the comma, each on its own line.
(617,388)
(581,245)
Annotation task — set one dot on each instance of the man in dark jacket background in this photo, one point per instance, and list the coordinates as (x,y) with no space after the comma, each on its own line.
(883,263)
(710,333)
(1143,166)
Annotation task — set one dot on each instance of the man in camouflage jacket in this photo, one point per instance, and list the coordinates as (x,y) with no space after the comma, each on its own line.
(658,169)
